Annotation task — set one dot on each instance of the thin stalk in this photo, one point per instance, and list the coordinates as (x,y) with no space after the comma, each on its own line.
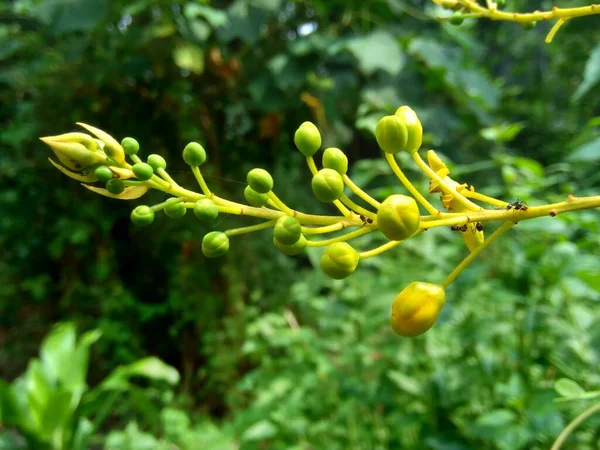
(359,192)
(323,230)
(562,437)
(485,198)
(165,176)
(250,229)
(279,204)
(200,179)
(342,238)
(357,208)
(385,247)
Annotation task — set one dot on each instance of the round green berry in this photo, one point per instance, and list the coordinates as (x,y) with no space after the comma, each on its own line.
(291,250)
(143,171)
(157,162)
(130,145)
(287,230)
(142,216)
(215,244)
(115,186)
(104,174)
(413,127)
(457,19)
(206,210)
(334,158)
(339,260)
(175,210)
(391,134)
(254,198)
(327,185)
(307,139)
(528,25)
(398,217)
(194,154)
(260,180)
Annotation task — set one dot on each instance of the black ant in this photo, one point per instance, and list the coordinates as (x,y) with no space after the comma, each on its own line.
(479,226)
(518,205)
(461,228)
(366,220)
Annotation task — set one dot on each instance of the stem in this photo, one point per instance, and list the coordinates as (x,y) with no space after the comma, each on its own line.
(279,204)
(322,230)
(469,259)
(313,169)
(574,424)
(359,209)
(559,23)
(200,180)
(408,185)
(385,247)
(343,238)
(362,194)
(250,229)
(163,173)
(484,198)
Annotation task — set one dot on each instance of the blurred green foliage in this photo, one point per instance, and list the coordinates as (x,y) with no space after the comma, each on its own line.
(271,353)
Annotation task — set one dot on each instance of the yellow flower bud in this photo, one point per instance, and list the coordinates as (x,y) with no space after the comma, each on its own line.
(391,134)
(398,217)
(112,148)
(417,308)
(413,126)
(77,151)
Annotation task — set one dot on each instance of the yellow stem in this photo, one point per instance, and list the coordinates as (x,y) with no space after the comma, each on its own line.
(484,198)
(385,247)
(279,204)
(313,169)
(574,424)
(200,180)
(345,237)
(362,194)
(163,173)
(357,208)
(559,23)
(250,229)
(323,230)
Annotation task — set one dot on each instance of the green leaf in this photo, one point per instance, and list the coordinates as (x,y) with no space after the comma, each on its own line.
(10,413)
(405,383)
(214,17)
(190,57)
(591,74)
(377,51)
(260,431)
(150,367)
(568,388)
(587,152)
(65,16)
(82,434)
(57,350)
(57,413)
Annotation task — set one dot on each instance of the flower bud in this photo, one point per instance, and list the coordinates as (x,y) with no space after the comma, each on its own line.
(206,210)
(307,139)
(175,210)
(254,198)
(287,230)
(328,185)
(111,147)
(130,146)
(398,217)
(339,260)
(215,244)
(104,174)
(142,216)
(391,134)
(413,127)
(291,250)
(115,186)
(260,180)
(76,151)
(334,158)
(457,19)
(416,308)
(143,171)
(194,154)
(157,162)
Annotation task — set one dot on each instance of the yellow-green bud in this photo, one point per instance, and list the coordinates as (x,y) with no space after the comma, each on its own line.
(413,127)
(260,180)
(416,308)
(287,230)
(206,210)
(327,185)
(339,260)
(111,147)
(103,174)
(334,158)
(398,217)
(457,18)
(157,162)
(76,151)
(194,154)
(254,198)
(215,244)
(143,171)
(291,250)
(130,146)
(391,134)
(115,186)
(142,216)
(307,139)
(175,210)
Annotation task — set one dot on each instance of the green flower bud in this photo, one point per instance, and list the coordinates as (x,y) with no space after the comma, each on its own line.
(157,162)
(291,250)
(143,171)
(215,244)
(413,127)
(457,18)
(142,216)
(103,174)
(175,210)
(528,25)
(327,185)
(206,210)
(334,158)
(307,139)
(254,198)
(130,146)
(115,186)
(287,230)
(194,154)
(398,217)
(339,260)
(76,151)
(417,308)
(391,134)
(111,147)
(260,180)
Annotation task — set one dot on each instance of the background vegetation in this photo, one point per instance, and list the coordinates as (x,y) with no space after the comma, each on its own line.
(268,352)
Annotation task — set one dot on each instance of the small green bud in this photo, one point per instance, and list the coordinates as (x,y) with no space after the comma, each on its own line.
(287,230)
(206,210)
(500,3)
(215,244)
(194,154)
(391,134)
(339,260)
(254,198)
(115,186)
(307,139)
(291,250)
(413,127)
(143,171)
(103,174)
(130,146)
(528,25)
(157,162)
(334,158)
(142,216)
(260,180)
(457,19)
(398,217)
(175,210)
(327,185)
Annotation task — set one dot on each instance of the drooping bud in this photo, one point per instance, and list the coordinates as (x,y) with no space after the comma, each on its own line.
(287,230)
(334,158)
(142,216)
(157,161)
(76,151)
(111,147)
(416,308)
(307,139)
(175,210)
(215,244)
(206,210)
(339,260)
(413,127)
(254,198)
(291,250)
(194,154)
(260,180)
(398,217)
(327,185)
(143,171)
(391,134)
